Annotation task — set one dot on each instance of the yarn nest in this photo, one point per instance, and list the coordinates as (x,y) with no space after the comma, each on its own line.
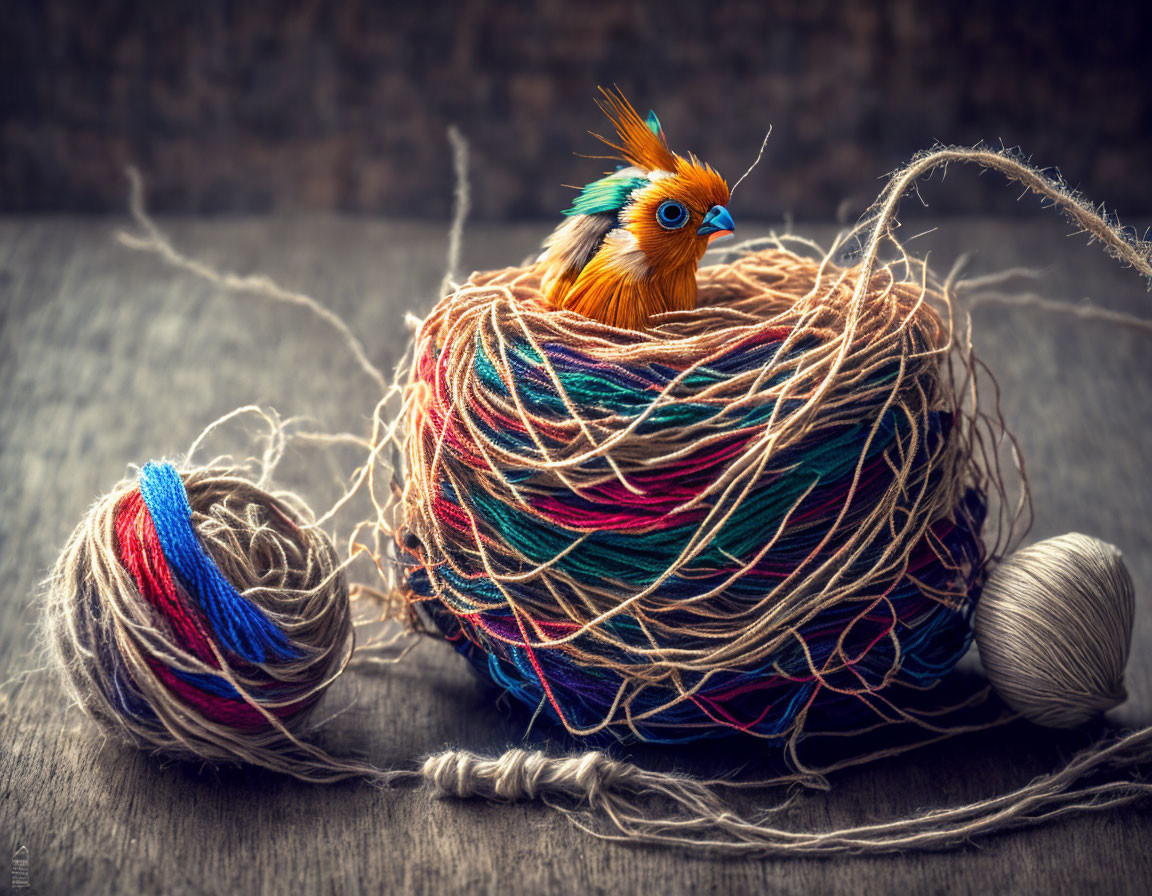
(763,515)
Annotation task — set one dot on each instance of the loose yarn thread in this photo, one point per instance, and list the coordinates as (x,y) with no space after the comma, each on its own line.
(619,798)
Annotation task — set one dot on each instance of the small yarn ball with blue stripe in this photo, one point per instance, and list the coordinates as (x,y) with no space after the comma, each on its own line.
(199,616)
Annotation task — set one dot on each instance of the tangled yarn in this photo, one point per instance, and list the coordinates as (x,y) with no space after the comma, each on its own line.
(762,513)
(759,514)
(198,616)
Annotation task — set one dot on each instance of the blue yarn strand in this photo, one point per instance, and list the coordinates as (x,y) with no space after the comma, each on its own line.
(241,627)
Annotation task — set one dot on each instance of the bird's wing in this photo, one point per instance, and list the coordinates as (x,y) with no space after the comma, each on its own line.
(593,214)
(571,246)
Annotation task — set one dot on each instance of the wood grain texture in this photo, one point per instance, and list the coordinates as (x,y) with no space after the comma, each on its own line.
(108,358)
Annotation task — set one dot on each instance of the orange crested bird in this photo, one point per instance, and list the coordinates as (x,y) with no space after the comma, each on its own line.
(632,240)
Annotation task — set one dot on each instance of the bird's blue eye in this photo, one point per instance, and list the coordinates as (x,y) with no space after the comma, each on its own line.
(671,214)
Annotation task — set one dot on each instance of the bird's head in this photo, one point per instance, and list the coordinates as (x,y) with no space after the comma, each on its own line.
(632,240)
(674,206)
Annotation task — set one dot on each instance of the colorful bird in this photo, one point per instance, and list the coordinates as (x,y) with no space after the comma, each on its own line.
(632,240)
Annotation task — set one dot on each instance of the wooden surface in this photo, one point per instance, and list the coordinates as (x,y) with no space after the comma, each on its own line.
(109,358)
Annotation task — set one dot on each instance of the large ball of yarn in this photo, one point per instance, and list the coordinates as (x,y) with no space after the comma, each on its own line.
(757,516)
(1054,627)
(198,616)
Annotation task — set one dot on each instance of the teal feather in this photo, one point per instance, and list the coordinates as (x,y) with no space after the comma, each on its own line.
(653,122)
(606,196)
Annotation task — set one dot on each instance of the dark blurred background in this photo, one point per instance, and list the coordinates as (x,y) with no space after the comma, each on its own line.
(273,106)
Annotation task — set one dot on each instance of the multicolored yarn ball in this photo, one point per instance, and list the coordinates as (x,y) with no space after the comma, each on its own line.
(198,616)
(759,516)
(1054,628)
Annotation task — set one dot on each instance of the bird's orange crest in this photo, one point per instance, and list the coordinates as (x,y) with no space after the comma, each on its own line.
(636,142)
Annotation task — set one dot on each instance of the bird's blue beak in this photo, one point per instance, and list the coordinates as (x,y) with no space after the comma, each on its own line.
(716,224)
